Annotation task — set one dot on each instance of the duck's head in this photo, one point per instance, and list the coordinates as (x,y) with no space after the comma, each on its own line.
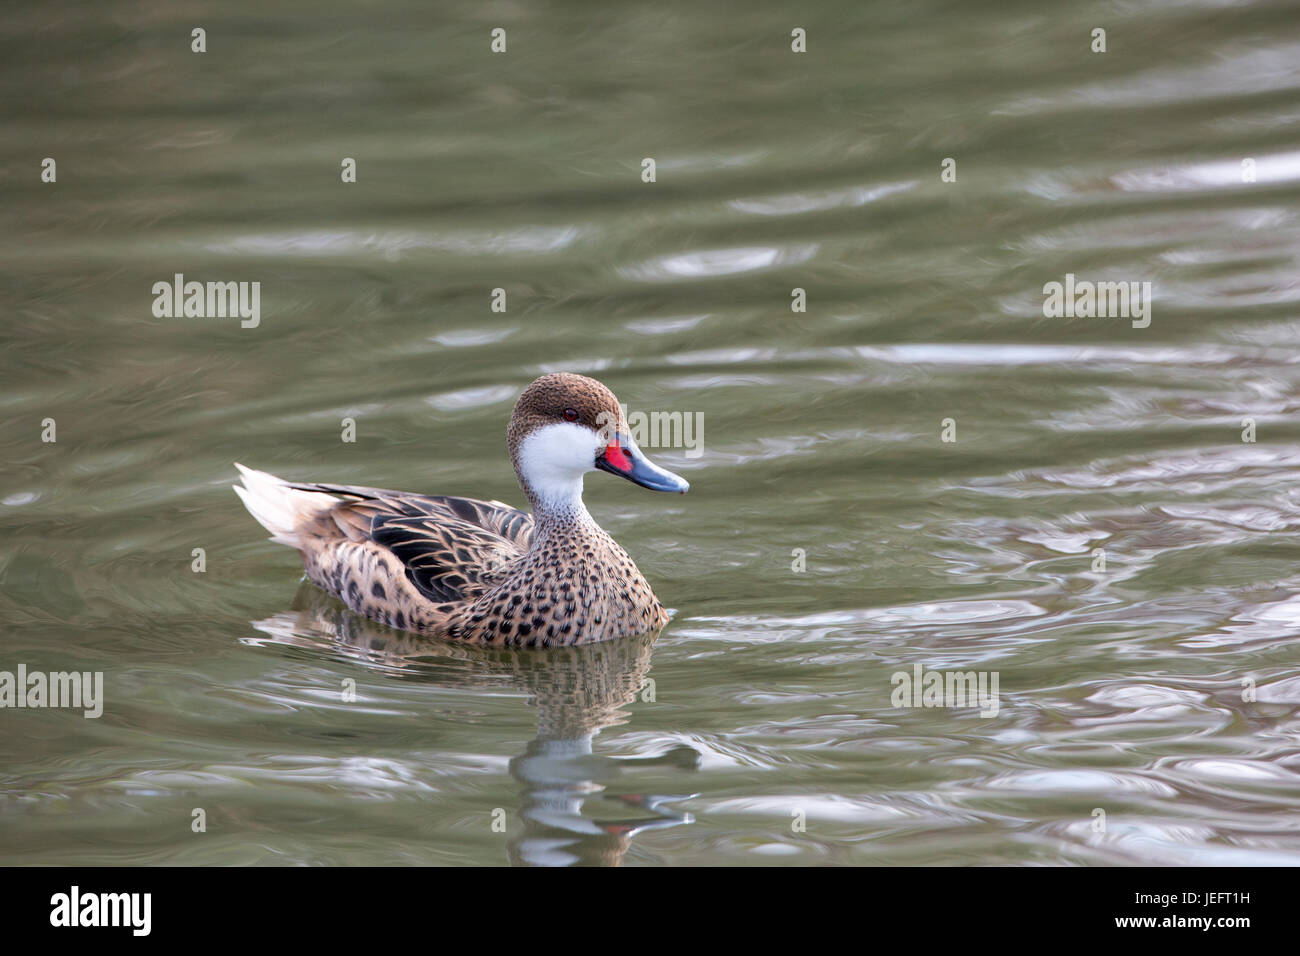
(565,425)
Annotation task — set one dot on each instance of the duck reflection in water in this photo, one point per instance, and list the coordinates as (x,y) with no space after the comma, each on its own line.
(569,814)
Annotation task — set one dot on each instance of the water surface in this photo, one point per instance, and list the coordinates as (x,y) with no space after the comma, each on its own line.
(758,728)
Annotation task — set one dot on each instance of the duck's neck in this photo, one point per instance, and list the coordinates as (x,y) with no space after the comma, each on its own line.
(558,511)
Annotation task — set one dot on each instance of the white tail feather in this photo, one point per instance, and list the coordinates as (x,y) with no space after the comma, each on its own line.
(280,509)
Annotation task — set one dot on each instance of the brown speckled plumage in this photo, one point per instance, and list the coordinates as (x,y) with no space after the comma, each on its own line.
(465,569)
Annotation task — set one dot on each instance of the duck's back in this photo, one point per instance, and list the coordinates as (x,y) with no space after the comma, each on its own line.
(405,560)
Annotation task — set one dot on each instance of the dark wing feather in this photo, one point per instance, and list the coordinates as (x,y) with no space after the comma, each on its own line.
(452,548)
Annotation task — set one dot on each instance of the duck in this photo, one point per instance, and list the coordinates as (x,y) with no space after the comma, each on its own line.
(484,572)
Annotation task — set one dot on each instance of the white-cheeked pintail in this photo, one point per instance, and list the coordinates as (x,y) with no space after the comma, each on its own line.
(483,571)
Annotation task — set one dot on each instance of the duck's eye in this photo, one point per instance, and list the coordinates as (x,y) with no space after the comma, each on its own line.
(570,414)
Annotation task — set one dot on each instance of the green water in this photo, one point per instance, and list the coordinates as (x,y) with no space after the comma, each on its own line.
(759,727)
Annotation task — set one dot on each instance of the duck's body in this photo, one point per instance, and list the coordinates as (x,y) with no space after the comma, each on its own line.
(483,571)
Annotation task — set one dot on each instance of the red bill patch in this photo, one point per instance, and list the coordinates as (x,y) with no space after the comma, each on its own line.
(614,455)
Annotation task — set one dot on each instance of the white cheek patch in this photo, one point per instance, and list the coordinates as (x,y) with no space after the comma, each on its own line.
(553,459)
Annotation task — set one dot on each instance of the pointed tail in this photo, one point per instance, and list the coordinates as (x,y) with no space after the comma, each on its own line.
(281,509)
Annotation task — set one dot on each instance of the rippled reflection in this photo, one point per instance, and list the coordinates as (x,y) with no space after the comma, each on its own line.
(573,803)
